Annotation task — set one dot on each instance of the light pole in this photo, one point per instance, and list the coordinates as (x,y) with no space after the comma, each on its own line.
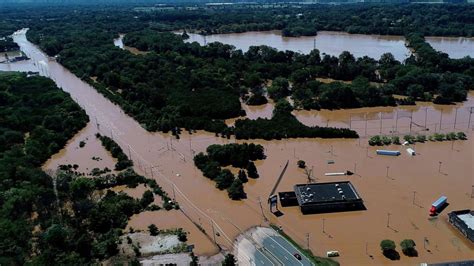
(388,167)
(439,168)
(388,220)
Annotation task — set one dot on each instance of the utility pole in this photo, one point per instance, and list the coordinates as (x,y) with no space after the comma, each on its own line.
(174,193)
(388,167)
(414,195)
(324,220)
(426,116)
(307,240)
(388,220)
(380,122)
(439,169)
(471,110)
(455,117)
(440,120)
(367,248)
(261,209)
(213,231)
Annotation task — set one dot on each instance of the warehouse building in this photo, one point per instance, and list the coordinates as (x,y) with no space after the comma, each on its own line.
(464,221)
(323,197)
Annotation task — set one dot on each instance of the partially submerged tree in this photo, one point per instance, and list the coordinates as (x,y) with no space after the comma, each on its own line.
(388,248)
(408,248)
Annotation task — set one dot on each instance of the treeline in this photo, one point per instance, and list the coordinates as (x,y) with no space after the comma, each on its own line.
(284,125)
(60,221)
(109,144)
(6,41)
(434,73)
(237,155)
(432,20)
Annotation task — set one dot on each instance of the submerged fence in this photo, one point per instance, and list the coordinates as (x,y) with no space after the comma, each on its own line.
(426,120)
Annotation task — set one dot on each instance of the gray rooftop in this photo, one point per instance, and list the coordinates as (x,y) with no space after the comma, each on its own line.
(468,218)
(325,192)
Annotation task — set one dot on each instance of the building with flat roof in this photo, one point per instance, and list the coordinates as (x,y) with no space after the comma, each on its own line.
(464,221)
(323,197)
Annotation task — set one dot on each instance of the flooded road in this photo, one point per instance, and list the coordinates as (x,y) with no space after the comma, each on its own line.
(356,235)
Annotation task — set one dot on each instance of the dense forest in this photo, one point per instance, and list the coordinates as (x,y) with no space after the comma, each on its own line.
(185,85)
(237,155)
(60,220)
(6,41)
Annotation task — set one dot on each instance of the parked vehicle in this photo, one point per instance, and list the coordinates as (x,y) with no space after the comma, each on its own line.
(437,205)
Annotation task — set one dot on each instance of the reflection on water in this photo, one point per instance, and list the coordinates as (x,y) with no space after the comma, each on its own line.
(169,161)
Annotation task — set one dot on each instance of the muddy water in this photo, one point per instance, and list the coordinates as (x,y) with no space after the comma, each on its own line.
(119,43)
(454,46)
(328,42)
(349,233)
(73,154)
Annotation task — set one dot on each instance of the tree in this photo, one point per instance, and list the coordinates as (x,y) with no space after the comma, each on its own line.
(236,190)
(147,198)
(229,260)
(408,247)
(224,179)
(243,176)
(388,248)
(182,236)
(252,170)
(301,164)
(153,230)
(194,259)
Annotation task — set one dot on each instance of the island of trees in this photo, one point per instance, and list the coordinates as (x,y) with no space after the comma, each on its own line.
(236,155)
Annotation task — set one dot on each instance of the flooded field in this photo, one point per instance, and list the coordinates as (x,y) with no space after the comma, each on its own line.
(91,156)
(334,43)
(328,42)
(454,46)
(397,203)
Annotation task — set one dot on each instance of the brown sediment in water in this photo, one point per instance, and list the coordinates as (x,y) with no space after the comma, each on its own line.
(73,154)
(350,232)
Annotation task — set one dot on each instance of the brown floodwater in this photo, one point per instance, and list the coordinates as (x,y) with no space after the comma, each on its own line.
(456,47)
(334,43)
(119,43)
(328,42)
(72,153)
(169,161)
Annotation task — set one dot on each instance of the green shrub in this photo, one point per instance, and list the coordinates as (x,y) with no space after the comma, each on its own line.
(386,140)
(421,138)
(461,136)
(396,140)
(375,141)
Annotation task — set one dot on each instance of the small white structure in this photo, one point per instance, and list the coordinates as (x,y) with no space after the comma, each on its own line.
(411,152)
(332,253)
(335,174)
